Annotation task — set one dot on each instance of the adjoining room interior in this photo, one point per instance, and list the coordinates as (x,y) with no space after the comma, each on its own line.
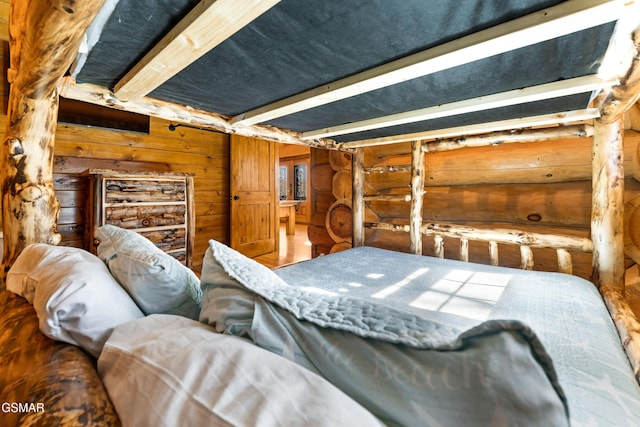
(294,209)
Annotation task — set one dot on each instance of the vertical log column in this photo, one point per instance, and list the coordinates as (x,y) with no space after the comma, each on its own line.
(357,197)
(417,192)
(30,207)
(608,204)
(44,36)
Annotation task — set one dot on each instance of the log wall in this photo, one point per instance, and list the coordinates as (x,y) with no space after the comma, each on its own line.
(321,197)
(542,187)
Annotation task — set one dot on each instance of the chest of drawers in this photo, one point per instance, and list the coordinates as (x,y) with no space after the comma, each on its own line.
(159,206)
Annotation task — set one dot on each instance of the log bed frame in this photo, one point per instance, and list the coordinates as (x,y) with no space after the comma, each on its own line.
(37,78)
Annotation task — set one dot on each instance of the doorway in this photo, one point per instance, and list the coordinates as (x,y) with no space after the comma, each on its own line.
(261,173)
(293,180)
(294,190)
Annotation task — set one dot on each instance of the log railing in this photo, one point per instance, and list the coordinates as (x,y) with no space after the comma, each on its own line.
(607,195)
(563,244)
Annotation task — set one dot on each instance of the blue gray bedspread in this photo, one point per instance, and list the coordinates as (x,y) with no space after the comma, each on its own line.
(423,341)
(566,313)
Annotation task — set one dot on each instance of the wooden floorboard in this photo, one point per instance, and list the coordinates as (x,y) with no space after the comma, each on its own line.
(293,248)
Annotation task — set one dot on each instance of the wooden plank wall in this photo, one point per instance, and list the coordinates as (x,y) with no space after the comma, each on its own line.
(4,20)
(202,153)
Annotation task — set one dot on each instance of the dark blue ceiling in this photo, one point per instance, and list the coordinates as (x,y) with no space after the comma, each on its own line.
(302,44)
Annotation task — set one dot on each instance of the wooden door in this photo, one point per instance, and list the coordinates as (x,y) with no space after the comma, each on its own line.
(254,220)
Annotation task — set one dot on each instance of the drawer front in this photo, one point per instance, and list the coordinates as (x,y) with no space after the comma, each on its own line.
(144,191)
(180,256)
(168,240)
(145,216)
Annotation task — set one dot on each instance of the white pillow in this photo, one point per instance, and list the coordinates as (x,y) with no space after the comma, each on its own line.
(166,370)
(154,279)
(74,296)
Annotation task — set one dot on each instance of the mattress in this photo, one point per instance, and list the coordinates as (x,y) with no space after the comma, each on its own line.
(565,312)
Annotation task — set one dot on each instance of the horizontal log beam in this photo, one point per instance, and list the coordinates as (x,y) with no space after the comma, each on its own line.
(525,240)
(507,137)
(507,236)
(172,112)
(388,198)
(498,235)
(566,117)
(403,228)
(386,169)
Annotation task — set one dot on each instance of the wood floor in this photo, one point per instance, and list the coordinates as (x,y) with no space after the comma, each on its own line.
(292,248)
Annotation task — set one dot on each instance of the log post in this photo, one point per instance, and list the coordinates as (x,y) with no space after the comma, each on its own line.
(493,253)
(464,250)
(417,192)
(438,246)
(608,204)
(607,227)
(357,197)
(565,264)
(526,258)
(44,36)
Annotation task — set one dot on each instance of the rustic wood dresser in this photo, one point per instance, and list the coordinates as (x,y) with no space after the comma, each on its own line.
(157,205)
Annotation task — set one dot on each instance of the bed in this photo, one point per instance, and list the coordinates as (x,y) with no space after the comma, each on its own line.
(366,336)
(567,349)
(566,313)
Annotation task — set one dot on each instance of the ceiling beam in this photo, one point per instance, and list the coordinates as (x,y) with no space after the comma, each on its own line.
(568,17)
(504,99)
(520,123)
(210,23)
(176,113)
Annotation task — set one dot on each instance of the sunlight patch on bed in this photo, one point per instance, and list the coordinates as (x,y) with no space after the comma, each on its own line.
(431,300)
(318,291)
(351,284)
(470,308)
(495,279)
(399,285)
(488,293)
(464,293)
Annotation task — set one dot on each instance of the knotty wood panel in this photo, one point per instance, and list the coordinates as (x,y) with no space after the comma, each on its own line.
(204,154)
